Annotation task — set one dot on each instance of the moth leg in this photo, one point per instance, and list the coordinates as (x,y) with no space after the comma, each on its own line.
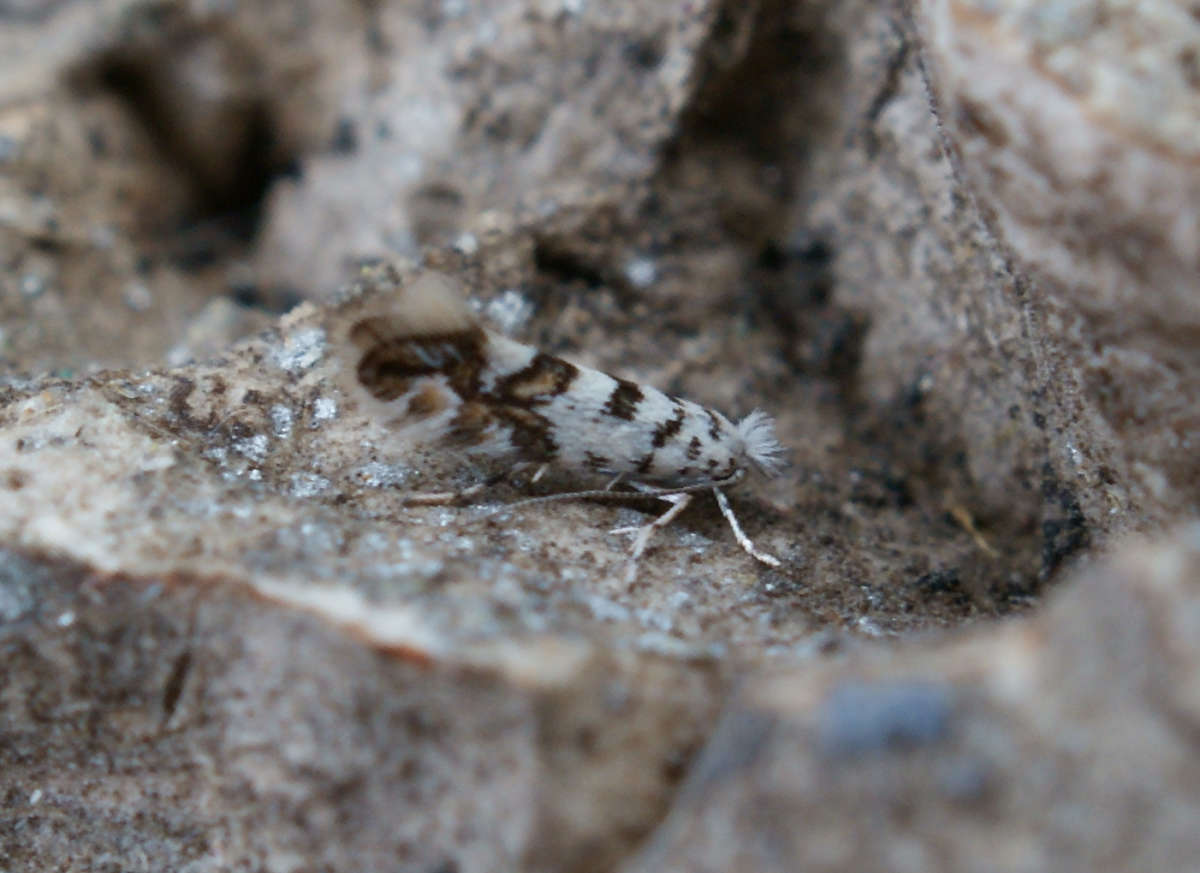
(614,482)
(739,534)
(515,473)
(643,532)
(442,498)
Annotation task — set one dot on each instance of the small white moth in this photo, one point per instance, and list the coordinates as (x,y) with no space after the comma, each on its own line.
(436,375)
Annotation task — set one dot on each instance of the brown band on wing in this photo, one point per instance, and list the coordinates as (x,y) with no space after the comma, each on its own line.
(390,363)
(471,426)
(540,381)
(624,400)
(529,433)
(668,428)
(429,400)
(714,425)
(596,463)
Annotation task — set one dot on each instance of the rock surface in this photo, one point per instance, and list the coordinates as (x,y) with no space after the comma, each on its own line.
(1066,742)
(952,248)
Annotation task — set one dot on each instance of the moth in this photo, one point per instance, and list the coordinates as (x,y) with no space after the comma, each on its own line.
(437,376)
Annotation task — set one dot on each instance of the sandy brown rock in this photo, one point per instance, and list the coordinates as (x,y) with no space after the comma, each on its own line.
(197,724)
(1075,126)
(1067,743)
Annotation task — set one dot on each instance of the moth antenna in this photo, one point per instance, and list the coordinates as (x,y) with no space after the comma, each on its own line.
(641,493)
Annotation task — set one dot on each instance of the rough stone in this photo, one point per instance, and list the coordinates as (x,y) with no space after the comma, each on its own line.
(1075,125)
(1065,742)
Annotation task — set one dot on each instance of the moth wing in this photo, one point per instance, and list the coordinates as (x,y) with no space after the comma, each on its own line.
(401,354)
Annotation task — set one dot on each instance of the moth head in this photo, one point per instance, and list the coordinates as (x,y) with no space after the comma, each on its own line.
(761,446)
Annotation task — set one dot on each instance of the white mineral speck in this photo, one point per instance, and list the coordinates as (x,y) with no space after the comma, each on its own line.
(308,484)
(641,272)
(466,244)
(629,517)
(324,409)
(655,620)
(301,350)
(445,516)
(375,541)
(694,540)
(664,645)
(35,796)
(409,562)
(254,475)
(510,311)
(66,619)
(679,599)
(603,609)
(15,600)
(525,542)
(32,285)
(868,626)
(377,474)
(281,420)
(317,538)
(137,296)
(254,448)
